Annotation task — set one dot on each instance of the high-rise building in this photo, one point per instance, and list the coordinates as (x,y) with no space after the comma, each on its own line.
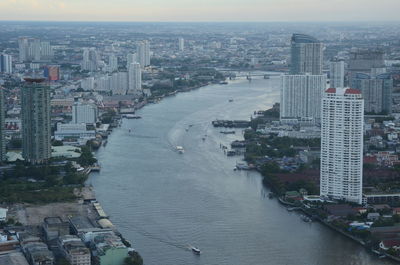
(90,61)
(301,96)
(143,53)
(23,47)
(2,126)
(336,74)
(131,58)
(119,83)
(134,79)
(342,144)
(306,55)
(84,113)
(34,53)
(5,63)
(87,84)
(36,134)
(363,61)
(181,43)
(112,63)
(46,51)
(376,91)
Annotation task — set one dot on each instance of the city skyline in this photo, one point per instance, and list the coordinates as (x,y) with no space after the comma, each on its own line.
(200,11)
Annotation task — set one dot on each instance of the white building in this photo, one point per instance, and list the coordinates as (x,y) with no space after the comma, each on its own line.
(301,96)
(131,58)
(134,79)
(84,113)
(181,43)
(342,144)
(112,63)
(87,84)
(71,130)
(143,53)
(23,47)
(336,73)
(90,61)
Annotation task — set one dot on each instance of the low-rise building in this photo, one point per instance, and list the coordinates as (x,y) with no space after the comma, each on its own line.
(55,227)
(71,130)
(74,250)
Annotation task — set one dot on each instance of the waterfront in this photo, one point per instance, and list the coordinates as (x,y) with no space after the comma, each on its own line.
(163,201)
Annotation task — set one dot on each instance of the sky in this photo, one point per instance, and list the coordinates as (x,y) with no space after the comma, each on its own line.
(200,10)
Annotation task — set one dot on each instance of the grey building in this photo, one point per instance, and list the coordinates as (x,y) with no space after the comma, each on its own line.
(363,61)
(36,134)
(377,92)
(306,55)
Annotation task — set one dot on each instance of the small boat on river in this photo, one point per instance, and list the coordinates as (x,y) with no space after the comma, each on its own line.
(195,250)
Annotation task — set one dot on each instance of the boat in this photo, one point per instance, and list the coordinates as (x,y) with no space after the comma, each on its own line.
(231,100)
(180,149)
(195,250)
(227,132)
(270,195)
(131,116)
(105,143)
(223,83)
(306,219)
(231,153)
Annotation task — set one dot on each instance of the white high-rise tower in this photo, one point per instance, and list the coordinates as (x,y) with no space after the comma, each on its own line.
(143,53)
(181,43)
(134,79)
(342,144)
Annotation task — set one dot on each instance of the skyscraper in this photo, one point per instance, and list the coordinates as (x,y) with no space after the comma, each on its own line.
(112,63)
(363,61)
(2,126)
(336,74)
(131,58)
(143,53)
(90,59)
(301,96)
(342,144)
(376,91)
(36,135)
(306,55)
(23,47)
(5,63)
(46,51)
(34,52)
(181,43)
(134,79)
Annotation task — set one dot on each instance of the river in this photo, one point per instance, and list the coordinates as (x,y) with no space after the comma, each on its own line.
(163,201)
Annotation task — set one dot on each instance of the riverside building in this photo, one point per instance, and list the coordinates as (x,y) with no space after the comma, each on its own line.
(301,96)
(342,144)
(36,134)
(306,55)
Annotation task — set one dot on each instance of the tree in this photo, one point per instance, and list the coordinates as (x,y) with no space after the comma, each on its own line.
(133,259)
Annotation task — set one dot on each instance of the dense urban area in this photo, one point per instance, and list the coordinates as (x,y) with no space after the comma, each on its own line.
(329,149)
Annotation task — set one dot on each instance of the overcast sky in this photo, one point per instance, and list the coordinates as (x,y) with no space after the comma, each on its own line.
(201,10)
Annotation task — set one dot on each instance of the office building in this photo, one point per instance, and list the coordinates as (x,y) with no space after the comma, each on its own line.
(36,134)
(342,144)
(306,55)
(5,63)
(336,74)
(181,44)
(301,96)
(34,53)
(143,53)
(134,79)
(376,91)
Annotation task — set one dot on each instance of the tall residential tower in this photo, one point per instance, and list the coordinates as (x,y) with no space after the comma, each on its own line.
(342,144)
(306,55)
(36,134)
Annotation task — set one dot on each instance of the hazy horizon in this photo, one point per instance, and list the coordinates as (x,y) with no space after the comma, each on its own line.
(201,11)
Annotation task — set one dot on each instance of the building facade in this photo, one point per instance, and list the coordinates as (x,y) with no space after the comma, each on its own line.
(143,53)
(36,127)
(306,55)
(342,144)
(336,74)
(5,63)
(2,126)
(84,113)
(134,79)
(376,91)
(301,96)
